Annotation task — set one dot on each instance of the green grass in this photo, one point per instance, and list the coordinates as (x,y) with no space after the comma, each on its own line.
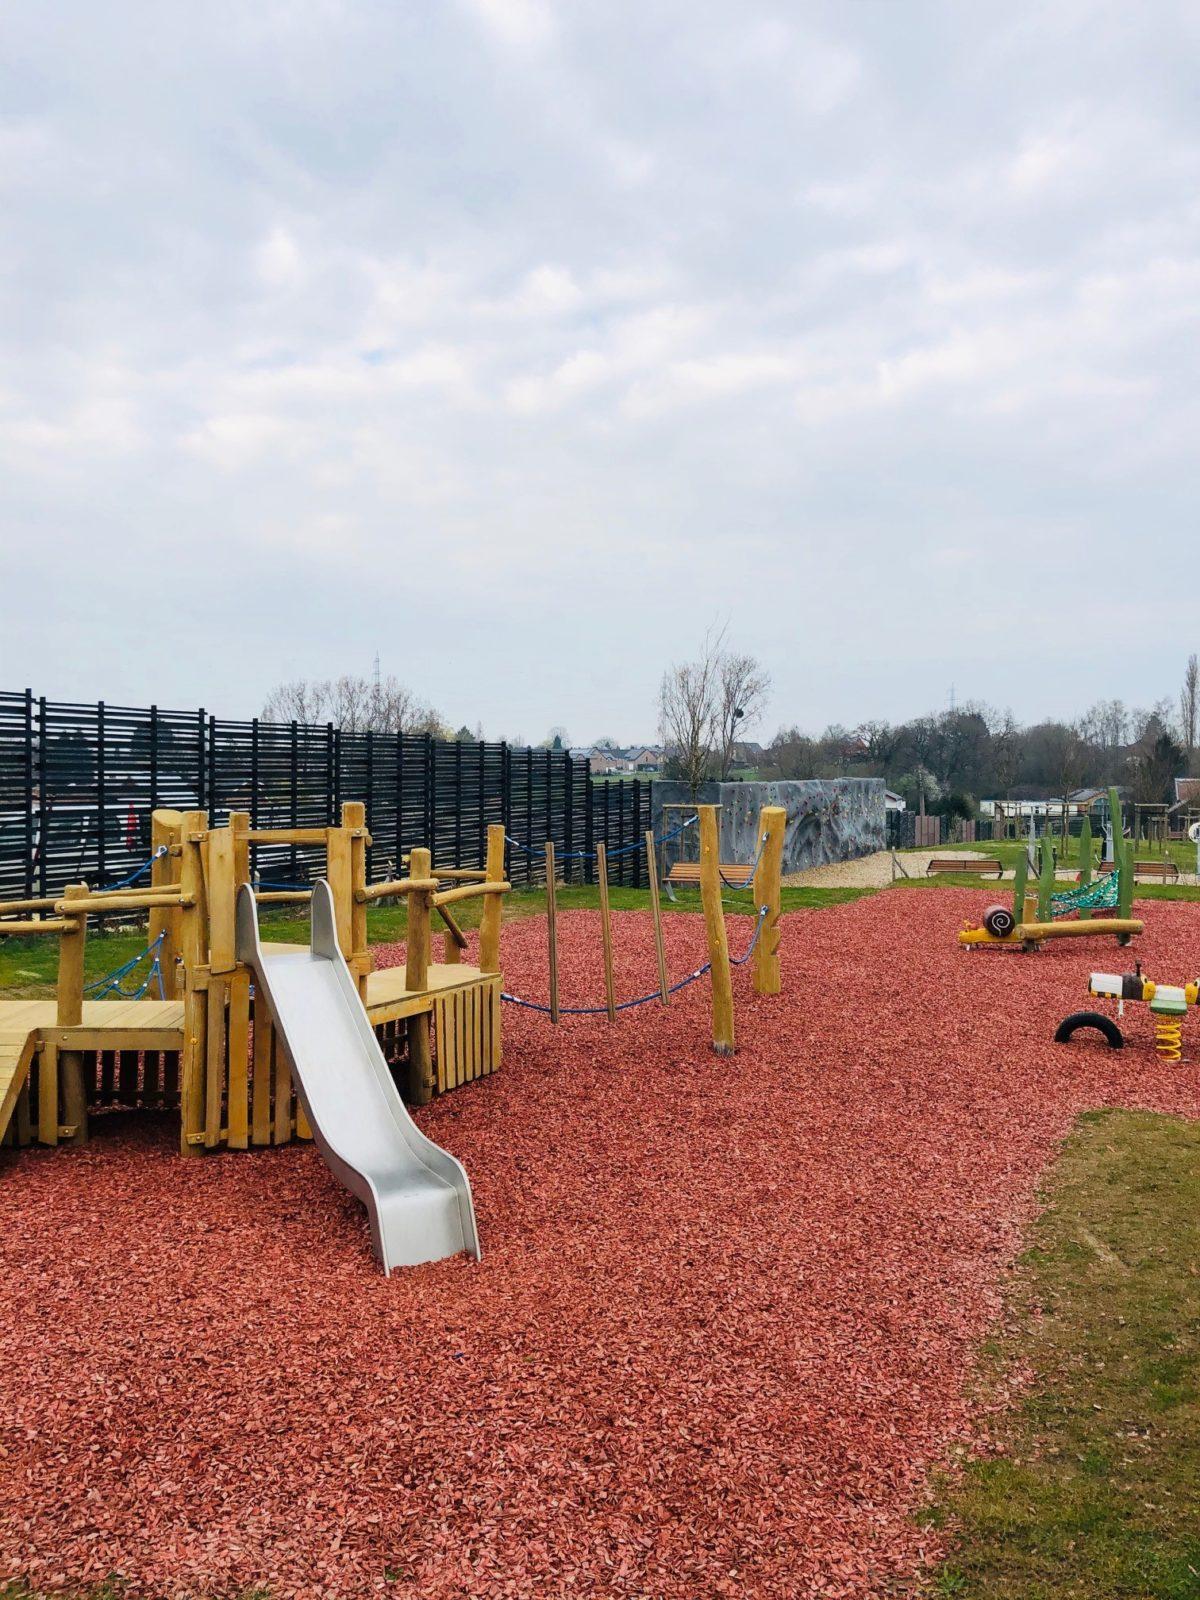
(1097,1490)
(28,967)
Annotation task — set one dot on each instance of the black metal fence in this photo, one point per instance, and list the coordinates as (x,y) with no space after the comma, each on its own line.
(78,784)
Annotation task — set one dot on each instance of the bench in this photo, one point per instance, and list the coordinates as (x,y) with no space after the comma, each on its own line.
(687,875)
(1165,871)
(983,865)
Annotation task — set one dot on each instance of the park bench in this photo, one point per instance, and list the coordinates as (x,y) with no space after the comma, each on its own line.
(1165,871)
(983,865)
(686,874)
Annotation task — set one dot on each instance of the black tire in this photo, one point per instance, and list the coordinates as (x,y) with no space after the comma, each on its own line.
(1090,1019)
(1124,939)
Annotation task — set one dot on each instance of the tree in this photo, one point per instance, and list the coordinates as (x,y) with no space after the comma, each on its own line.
(687,708)
(1189,706)
(354,704)
(920,786)
(742,688)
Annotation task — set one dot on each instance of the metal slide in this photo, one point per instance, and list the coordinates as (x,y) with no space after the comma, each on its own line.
(417,1196)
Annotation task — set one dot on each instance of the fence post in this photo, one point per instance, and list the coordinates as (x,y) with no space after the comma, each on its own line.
(714,927)
(416,979)
(101,801)
(70,1015)
(43,802)
(589,828)
(493,904)
(29,794)
(194,949)
(772,821)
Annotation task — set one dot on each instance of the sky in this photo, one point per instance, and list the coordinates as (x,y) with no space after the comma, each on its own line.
(518,343)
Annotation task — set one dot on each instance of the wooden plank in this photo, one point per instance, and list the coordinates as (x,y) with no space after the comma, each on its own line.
(214,1062)
(660,954)
(282,1124)
(493,904)
(48,1120)
(239,1050)
(193,948)
(419,1083)
(260,1112)
(164,874)
(339,872)
(552,926)
(714,927)
(222,901)
(610,998)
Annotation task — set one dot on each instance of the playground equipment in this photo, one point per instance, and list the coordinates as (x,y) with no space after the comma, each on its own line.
(1167,1003)
(193,1044)
(762,876)
(1033,917)
(417,1196)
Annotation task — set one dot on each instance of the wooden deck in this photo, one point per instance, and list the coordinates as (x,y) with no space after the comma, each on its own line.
(107,1025)
(388,999)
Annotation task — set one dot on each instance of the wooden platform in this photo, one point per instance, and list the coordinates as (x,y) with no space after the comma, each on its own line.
(388,999)
(25,1025)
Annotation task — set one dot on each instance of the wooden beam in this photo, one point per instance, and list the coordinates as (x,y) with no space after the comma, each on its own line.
(493,904)
(239,1062)
(714,927)
(610,998)
(164,874)
(222,901)
(416,980)
(772,824)
(396,886)
(70,1014)
(470,891)
(193,949)
(260,1090)
(42,925)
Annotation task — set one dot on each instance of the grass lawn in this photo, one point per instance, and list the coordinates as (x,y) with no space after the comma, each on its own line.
(1097,1491)
(28,967)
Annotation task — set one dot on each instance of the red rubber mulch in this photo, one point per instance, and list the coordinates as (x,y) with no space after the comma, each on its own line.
(718,1339)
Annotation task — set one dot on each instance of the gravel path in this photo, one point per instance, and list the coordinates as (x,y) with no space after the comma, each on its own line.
(719,1338)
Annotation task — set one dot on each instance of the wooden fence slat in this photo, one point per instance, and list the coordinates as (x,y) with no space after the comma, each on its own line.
(239,1047)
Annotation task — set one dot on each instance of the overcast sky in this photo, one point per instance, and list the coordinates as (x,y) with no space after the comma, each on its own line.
(518,341)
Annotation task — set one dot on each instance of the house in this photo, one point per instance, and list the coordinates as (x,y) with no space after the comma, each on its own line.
(648,759)
(1187,792)
(893,801)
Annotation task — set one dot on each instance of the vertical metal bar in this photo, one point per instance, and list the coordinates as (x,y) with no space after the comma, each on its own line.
(331,765)
(295,779)
(568,815)
(201,762)
(589,827)
(253,793)
(212,769)
(43,799)
(397,872)
(29,789)
(528,814)
(458,860)
(101,798)
(370,794)
(153,759)
(552,926)
(429,841)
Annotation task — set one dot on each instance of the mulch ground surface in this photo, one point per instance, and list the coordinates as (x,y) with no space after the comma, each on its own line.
(718,1340)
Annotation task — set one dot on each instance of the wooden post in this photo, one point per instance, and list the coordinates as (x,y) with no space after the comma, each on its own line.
(416,981)
(772,823)
(660,954)
(222,900)
(552,926)
(164,874)
(70,1014)
(610,999)
(339,870)
(1046,880)
(354,819)
(193,950)
(714,925)
(239,1062)
(493,904)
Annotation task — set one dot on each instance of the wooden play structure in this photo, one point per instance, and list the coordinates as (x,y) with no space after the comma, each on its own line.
(197,1045)
(1040,913)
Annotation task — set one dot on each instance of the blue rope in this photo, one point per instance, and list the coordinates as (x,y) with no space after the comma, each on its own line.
(111,983)
(138,872)
(750,870)
(590,855)
(642,999)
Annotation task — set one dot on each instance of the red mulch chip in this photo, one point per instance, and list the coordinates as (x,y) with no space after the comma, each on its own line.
(720,1334)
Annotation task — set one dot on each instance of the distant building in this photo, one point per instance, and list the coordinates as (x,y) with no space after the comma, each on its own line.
(896,802)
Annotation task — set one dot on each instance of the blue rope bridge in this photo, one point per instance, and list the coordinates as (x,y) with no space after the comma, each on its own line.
(642,999)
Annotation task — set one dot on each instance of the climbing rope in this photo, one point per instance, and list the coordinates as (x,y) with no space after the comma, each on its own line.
(590,855)
(642,999)
(137,873)
(112,982)
(1105,892)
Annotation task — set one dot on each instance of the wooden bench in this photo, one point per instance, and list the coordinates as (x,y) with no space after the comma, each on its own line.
(686,874)
(984,866)
(1165,871)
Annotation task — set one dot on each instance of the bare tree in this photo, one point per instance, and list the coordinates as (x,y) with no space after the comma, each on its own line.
(354,704)
(1189,706)
(688,699)
(741,696)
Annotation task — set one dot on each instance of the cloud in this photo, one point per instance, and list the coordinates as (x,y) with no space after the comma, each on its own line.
(506,310)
